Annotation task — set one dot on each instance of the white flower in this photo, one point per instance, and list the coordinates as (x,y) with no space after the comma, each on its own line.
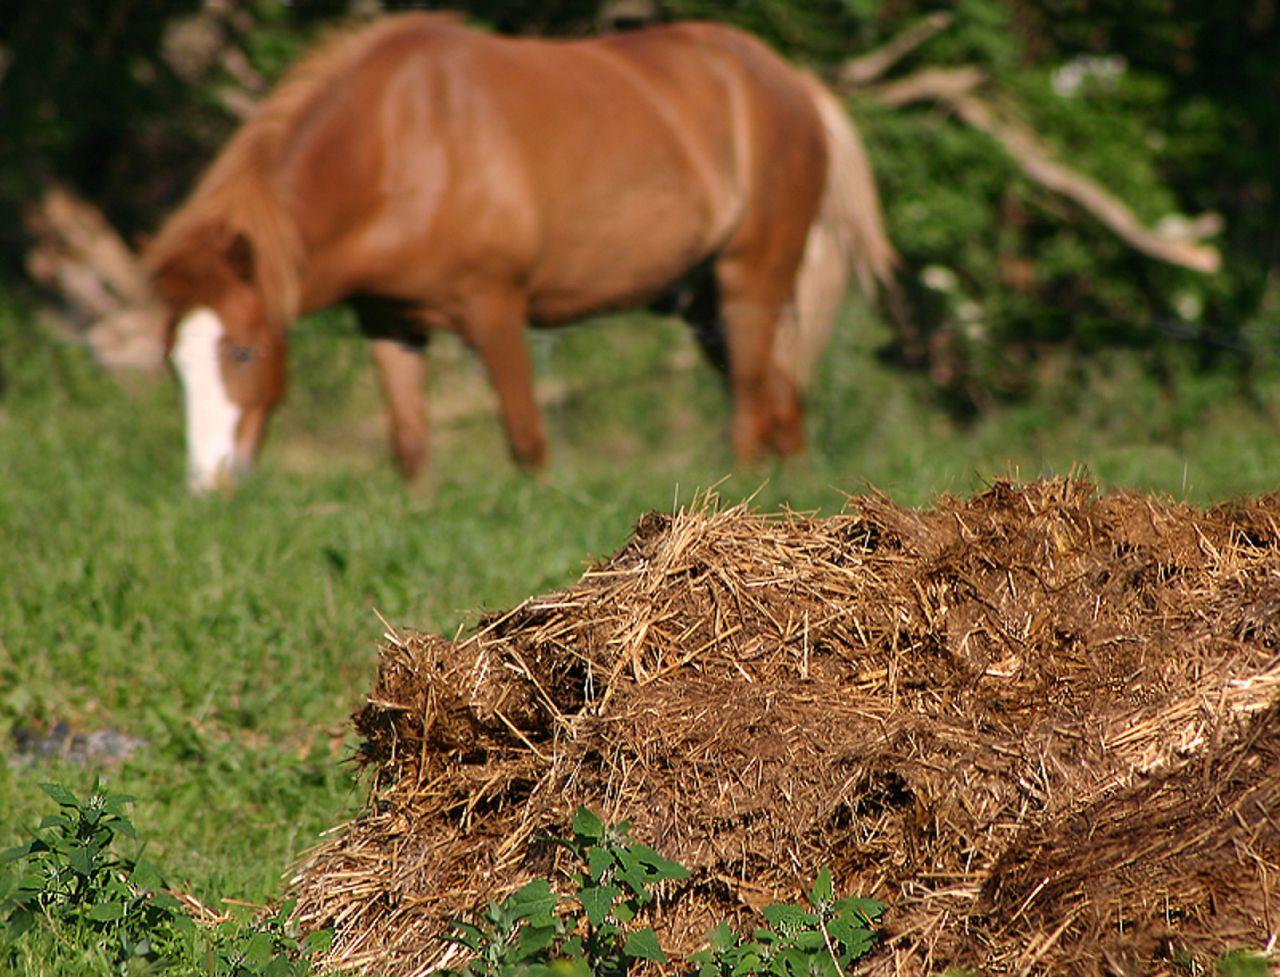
(939,278)
(1067,79)
(1189,305)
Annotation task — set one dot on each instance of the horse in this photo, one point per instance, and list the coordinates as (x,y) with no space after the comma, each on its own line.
(437,177)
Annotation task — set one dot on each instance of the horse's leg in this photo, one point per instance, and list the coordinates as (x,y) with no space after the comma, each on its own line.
(402,372)
(398,344)
(786,402)
(494,326)
(766,403)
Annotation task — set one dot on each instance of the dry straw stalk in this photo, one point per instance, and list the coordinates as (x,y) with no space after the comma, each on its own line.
(1042,724)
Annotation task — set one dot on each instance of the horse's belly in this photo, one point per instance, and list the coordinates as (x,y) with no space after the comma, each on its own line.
(620,243)
(600,272)
(628,182)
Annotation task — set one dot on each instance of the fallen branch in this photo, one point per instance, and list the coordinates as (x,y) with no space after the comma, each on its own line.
(194,44)
(1174,241)
(78,254)
(107,302)
(866,68)
(1037,162)
(929,85)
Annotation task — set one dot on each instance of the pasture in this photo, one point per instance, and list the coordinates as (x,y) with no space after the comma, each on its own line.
(231,636)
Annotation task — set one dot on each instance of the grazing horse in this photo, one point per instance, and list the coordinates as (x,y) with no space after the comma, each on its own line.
(438,177)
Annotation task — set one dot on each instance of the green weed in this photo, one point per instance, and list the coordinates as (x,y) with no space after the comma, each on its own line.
(527,934)
(72,881)
(823,939)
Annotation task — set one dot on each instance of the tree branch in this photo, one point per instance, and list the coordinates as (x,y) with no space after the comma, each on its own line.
(868,67)
(1173,241)
(929,85)
(107,301)
(194,44)
(79,254)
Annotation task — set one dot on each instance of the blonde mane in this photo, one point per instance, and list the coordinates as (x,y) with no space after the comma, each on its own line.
(239,194)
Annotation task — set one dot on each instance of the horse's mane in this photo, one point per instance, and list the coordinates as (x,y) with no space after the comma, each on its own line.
(239,193)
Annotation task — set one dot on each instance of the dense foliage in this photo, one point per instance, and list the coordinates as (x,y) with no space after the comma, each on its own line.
(1167,103)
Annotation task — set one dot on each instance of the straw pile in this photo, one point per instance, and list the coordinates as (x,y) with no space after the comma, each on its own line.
(1042,724)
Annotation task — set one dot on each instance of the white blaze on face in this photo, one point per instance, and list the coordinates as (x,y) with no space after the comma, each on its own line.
(211,416)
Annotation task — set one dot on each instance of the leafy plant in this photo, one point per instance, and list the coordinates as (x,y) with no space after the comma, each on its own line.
(512,936)
(270,947)
(612,887)
(71,879)
(524,935)
(822,939)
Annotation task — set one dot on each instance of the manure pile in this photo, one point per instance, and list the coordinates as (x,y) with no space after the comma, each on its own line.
(1042,724)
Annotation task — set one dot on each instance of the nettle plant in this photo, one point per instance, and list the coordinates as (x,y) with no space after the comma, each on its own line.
(524,934)
(822,940)
(596,929)
(71,880)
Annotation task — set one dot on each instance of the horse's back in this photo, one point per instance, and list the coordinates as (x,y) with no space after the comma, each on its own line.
(593,171)
(661,146)
(785,141)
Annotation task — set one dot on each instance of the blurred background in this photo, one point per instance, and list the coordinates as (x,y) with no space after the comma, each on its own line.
(1163,114)
(1086,197)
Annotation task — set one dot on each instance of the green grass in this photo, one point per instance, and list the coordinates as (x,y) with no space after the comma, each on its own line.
(235,634)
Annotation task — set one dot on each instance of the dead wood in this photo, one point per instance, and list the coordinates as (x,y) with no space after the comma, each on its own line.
(1175,242)
(206,38)
(106,296)
(866,68)
(943,85)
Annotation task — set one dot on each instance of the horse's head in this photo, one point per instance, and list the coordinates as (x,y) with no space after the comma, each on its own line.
(227,353)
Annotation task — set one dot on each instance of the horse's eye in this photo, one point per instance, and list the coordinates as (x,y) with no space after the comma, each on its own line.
(240,354)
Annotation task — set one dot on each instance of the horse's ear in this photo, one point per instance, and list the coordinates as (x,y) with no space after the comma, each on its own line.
(240,257)
(168,275)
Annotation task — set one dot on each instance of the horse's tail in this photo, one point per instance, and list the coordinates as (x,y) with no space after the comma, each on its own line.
(846,238)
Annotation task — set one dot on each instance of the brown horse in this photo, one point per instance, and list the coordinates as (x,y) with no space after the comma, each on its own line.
(437,177)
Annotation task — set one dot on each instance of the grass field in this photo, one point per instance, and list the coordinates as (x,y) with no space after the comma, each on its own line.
(234,635)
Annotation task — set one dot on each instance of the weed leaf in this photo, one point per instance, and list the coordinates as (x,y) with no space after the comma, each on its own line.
(599,861)
(661,868)
(587,824)
(103,912)
(643,944)
(789,919)
(535,939)
(823,890)
(61,795)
